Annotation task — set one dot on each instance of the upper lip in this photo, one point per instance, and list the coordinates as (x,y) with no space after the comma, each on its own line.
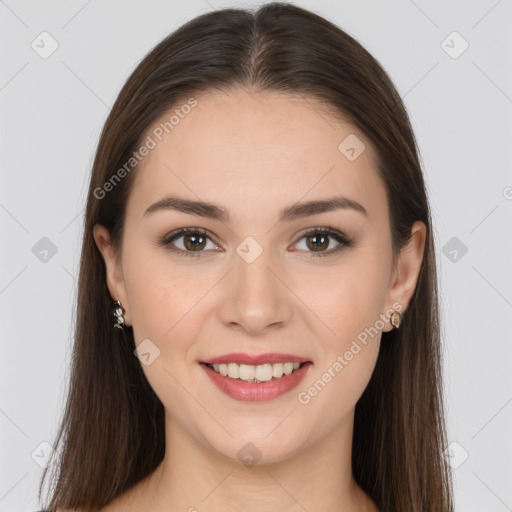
(255,360)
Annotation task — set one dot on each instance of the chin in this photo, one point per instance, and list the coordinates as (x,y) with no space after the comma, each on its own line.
(252,447)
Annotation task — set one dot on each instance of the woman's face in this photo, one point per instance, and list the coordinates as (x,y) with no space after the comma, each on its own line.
(256,283)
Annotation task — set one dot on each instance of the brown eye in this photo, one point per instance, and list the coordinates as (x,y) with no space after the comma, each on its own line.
(319,240)
(194,241)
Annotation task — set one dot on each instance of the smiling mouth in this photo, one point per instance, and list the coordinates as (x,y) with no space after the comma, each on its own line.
(256,374)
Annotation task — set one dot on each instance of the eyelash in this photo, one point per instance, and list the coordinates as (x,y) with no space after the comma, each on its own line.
(339,237)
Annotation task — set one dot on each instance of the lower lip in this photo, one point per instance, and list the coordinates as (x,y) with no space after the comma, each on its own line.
(254,391)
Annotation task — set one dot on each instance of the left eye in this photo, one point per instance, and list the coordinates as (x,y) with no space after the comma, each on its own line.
(319,240)
(195,240)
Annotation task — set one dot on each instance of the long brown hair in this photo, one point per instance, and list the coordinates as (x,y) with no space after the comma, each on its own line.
(112,431)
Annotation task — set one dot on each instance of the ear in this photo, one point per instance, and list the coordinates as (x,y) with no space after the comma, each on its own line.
(114,274)
(406,272)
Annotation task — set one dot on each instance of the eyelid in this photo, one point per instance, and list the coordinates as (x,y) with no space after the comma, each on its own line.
(169,238)
(343,240)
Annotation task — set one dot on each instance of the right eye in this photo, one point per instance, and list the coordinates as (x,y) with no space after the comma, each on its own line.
(194,240)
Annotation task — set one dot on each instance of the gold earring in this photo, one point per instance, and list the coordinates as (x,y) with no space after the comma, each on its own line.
(396,318)
(118,313)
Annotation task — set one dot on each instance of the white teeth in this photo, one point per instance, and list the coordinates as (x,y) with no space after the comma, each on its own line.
(288,368)
(277,370)
(263,372)
(260,373)
(233,370)
(247,372)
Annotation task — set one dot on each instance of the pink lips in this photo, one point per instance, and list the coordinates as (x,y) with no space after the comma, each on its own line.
(256,391)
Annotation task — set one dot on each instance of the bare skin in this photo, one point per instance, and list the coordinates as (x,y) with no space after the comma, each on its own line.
(255,154)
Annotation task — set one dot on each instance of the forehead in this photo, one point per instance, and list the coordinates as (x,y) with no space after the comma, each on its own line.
(246,150)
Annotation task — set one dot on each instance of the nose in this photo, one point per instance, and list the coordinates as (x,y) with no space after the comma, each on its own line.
(255,296)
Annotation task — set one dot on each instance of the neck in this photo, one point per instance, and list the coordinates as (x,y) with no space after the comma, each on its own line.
(193,477)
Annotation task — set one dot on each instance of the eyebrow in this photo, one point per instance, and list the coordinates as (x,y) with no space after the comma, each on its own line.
(293,212)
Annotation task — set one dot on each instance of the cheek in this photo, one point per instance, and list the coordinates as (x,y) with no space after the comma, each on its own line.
(350,307)
(333,392)
(161,294)
(347,299)
(164,299)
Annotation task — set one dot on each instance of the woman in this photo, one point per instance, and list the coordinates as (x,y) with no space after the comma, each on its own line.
(257,318)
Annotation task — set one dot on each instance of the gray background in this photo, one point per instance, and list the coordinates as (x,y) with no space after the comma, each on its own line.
(52,111)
